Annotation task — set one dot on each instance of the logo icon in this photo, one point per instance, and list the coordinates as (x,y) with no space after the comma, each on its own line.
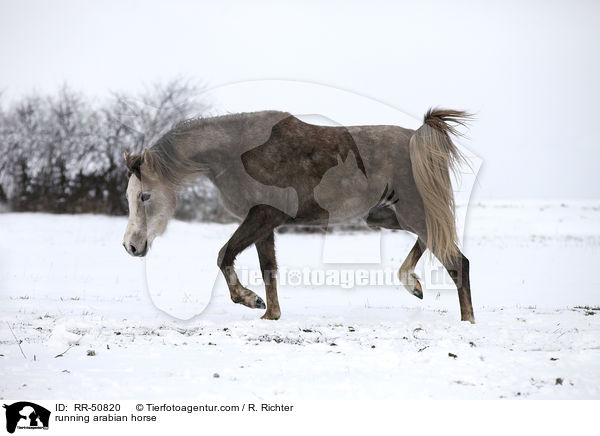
(26,415)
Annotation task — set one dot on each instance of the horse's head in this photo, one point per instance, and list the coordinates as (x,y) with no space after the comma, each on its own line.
(151,204)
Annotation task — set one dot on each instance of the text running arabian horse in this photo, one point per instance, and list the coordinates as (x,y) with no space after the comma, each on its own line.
(273,170)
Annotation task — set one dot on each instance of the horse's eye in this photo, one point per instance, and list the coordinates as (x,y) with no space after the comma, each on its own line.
(145,197)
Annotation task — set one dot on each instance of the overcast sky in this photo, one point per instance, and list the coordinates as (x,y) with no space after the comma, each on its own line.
(530,70)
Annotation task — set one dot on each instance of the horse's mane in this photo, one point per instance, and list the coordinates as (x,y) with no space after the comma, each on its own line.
(165,162)
(199,122)
(164,159)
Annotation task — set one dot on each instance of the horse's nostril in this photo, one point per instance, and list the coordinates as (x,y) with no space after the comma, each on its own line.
(132,248)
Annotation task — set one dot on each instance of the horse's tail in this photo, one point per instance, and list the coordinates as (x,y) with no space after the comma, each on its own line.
(432,155)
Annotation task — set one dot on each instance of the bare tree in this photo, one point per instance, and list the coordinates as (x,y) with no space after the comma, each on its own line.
(61,154)
(134,123)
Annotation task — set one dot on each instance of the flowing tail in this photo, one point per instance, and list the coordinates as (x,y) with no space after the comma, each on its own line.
(432,155)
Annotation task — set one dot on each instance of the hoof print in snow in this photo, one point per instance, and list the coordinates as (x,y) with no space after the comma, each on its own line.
(418,336)
(91,353)
(216,375)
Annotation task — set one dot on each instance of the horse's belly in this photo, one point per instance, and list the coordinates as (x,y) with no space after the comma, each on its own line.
(346,194)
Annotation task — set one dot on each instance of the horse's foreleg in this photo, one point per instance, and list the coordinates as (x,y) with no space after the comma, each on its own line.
(407,271)
(258,224)
(268,266)
(458,268)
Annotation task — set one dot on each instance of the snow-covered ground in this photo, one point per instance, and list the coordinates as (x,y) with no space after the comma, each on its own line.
(91,328)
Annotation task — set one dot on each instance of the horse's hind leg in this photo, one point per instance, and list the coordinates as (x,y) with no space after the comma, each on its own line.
(386,217)
(413,219)
(268,266)
(458,268)
(407,271)
(258,224)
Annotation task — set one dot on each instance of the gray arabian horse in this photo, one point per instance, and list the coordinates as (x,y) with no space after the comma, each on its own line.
(273,169)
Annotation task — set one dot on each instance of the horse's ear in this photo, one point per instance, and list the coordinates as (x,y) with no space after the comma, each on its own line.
(4,405)
(133,164)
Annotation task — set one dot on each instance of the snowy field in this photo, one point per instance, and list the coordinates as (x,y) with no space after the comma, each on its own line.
(90,327)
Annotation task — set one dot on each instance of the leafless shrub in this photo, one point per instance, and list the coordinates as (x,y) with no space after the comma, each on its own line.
(64,154)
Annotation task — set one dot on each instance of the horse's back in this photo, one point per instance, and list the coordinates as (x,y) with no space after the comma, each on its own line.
(337,173)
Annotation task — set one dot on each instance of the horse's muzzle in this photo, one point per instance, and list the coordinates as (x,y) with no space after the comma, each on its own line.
(134,251)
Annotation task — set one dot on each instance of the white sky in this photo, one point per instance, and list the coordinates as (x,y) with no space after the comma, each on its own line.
(530,70)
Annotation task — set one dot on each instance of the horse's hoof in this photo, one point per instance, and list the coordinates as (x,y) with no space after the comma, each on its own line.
(470,318)
(259,303)
(271,316)
(417,293)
